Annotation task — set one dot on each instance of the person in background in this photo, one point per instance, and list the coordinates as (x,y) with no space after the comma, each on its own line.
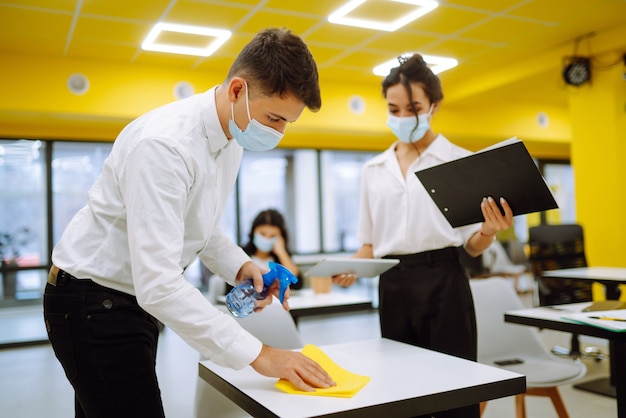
(118,267)
(425,300)
(268,240)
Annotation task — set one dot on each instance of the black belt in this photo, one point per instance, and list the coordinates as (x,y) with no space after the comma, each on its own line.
(428,257)
(58,277)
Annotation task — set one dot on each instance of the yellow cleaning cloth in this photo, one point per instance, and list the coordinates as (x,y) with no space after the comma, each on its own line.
(347,383)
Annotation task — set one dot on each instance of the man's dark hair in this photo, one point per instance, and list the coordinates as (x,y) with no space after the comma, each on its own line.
(278,62)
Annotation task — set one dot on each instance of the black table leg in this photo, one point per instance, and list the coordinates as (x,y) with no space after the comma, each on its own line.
(615,385)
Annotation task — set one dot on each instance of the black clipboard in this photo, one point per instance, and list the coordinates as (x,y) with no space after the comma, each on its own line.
(505,169)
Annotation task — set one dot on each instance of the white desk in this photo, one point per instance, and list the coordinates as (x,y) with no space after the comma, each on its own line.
(405,381)
(550,318)
(305,302)
(609,276)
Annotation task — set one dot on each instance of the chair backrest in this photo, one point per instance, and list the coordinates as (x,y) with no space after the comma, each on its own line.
(557,247)
(497,261)
(273,326)
(496,338)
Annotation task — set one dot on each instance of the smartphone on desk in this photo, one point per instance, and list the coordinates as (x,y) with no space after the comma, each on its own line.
(509,362)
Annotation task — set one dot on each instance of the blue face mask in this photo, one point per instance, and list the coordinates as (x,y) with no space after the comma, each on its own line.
(264,244)
(256,137)
(404,127)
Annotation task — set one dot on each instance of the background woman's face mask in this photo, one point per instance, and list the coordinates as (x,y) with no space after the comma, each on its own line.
(404,128)
(256,137)
(264,244)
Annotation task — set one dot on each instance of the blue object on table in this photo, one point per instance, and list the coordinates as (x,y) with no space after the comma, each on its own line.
(240,300)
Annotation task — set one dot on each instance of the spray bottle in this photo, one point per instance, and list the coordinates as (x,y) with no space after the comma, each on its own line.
(240,300)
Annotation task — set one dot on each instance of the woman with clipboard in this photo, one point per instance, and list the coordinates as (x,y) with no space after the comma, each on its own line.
(426,299)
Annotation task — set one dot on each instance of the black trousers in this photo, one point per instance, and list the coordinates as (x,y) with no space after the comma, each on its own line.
(426,301)
(107,346)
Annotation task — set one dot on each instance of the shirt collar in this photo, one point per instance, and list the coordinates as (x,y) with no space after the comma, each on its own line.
(212,127)
(439,148)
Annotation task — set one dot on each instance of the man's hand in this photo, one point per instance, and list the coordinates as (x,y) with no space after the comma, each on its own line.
(251,270)
(301,371)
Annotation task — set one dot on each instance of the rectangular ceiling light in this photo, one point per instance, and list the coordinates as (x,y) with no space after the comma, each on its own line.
(218,36)
(341,17)
(436,64)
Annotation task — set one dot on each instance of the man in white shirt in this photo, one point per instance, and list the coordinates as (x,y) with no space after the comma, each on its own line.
(118,268)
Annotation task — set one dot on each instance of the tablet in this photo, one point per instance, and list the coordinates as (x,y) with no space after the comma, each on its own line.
(362,267)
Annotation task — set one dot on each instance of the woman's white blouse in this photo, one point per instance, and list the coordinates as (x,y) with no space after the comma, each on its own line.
(397,216)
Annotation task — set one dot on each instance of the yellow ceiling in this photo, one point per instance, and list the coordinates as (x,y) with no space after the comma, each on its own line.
(504,47)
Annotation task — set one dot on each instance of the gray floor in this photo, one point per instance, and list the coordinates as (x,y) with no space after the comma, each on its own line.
(32,383)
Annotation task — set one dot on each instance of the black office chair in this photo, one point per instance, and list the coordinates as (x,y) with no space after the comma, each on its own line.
(555,247)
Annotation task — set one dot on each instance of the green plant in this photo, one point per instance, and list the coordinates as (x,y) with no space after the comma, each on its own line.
(11,243)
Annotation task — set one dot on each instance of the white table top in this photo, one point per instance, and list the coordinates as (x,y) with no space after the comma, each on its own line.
(551,313)
(405,381)
(617,274)
(551,317)
(307,299)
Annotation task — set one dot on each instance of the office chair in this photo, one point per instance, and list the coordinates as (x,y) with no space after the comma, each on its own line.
(555,247)
(275,327)
(493,262)
(500,343)
(216,287)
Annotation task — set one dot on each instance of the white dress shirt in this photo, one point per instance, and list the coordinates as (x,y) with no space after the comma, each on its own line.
(153,210)
(397,216)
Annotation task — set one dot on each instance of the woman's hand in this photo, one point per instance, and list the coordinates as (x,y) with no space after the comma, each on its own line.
(344,279)
(283,256)
(279,247)
(348,279)
(495,221)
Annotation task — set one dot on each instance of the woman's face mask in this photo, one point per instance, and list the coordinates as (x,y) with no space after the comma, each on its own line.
(404,127)
(256,137)
(262,243)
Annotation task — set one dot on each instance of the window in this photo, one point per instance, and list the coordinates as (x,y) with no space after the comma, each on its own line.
(262,185)
(317,191)
(75,168)
(560,179)
(23,225)
(285,180)
(341,190)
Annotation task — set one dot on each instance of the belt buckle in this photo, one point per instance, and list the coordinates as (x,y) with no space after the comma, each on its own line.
(53,275)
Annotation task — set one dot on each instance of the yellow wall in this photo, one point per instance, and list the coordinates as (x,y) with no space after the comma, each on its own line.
(598,150)
(36,103)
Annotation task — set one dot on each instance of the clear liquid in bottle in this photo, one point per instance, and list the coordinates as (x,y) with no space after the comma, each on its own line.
(240,300)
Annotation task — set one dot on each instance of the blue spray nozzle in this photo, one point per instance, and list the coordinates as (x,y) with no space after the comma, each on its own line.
(284,276)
